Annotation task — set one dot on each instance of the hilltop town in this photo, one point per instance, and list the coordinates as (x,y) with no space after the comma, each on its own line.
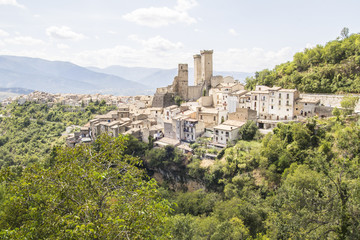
(215,107)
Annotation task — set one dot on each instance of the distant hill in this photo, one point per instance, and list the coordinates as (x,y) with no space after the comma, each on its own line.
(16,90)
(62,77)
(333,68)
(13,92)
(157,77)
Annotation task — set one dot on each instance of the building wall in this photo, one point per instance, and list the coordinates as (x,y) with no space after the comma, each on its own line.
(169,130)
(329,100)
(216,80)
(243,114)
(163,100)
(220,136)
(194,92)
(232,104)
(206,101)
(209,119)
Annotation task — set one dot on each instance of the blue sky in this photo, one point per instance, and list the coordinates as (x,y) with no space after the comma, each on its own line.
(245,35)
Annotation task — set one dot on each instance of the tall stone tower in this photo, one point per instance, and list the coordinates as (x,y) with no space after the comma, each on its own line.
(197,69)
(183,81)
(206,66)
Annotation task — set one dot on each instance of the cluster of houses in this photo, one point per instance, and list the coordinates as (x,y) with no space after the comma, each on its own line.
(216,107)
(218,116)
(79,100)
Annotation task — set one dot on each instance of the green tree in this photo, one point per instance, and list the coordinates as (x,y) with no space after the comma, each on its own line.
(344,32)
(348,103)
(178,100)
(91,192)
(248,130)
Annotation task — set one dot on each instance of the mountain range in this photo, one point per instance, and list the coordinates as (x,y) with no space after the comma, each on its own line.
(65,77)
(158,77)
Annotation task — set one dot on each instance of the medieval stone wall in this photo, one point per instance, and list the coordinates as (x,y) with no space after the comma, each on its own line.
(330,100)
(163,100)
(194,92)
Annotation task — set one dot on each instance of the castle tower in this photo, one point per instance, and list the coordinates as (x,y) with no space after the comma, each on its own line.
(197,69)
(183,81)
(206,66)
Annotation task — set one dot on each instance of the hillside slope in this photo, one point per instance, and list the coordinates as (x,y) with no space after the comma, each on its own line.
(333,68)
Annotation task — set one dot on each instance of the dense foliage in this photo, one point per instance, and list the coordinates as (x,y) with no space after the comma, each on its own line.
(332,68)
(30,131)
(299,182)
(88,192)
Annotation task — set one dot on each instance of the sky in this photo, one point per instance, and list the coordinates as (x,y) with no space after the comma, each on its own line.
(246,35)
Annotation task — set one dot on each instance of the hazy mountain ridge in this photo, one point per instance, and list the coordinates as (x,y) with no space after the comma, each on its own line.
(157,77)
(62,77)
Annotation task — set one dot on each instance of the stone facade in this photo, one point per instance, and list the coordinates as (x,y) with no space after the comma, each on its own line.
(243,114)
(163,100)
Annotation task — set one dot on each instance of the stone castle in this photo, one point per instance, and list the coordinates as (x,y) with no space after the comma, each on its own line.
(203,79)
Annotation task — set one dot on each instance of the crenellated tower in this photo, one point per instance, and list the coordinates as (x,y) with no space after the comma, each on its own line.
(182,81)
(206,66)
(203,68)
(197,69)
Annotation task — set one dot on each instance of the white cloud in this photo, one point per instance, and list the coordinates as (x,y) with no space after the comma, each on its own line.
(27,41)
(63,32)
(12,3)
(62,46)
(3,33)
(251,60)
(132,57)
(184,5)
(157,43)
(162,16)
(233,32)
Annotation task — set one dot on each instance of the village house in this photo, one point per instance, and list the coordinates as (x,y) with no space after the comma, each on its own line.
(227,132)
(211,116)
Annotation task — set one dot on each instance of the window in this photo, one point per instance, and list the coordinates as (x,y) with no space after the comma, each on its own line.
(254,104)
(272,107)
(279,95)
(305,103)
(287,96)
(297,109)
(272,100)
(287,109)
(214,118)
(255,98)
(287,103)
(201,117)
(279,102)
